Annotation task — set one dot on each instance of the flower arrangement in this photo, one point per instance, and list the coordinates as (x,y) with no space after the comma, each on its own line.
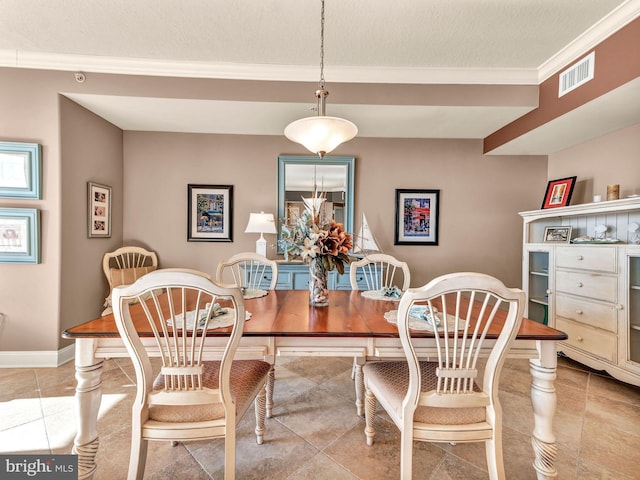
(313,237)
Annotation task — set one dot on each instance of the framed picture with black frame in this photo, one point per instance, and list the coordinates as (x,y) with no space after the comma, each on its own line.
(558,192)
(417,217)
(209,213)
(557,234)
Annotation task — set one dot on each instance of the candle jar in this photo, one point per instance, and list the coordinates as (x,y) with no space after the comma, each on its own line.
(613,192)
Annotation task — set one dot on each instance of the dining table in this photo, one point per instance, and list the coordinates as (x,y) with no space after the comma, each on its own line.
(283,324)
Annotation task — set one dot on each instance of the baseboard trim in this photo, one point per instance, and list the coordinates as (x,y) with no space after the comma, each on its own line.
(37,359)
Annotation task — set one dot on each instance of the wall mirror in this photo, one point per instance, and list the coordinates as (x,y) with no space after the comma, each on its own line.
(297,176)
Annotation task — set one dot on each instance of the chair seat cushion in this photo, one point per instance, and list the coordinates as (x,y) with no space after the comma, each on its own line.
(391,379)
(247,376)
(127,276)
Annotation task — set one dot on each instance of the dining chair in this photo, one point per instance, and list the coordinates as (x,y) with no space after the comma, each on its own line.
(252,272)
(190,398)
(444,400)
(380,270)
(124,266)
(249,270)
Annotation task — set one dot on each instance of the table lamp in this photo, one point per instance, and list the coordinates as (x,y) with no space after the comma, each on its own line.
(261,223)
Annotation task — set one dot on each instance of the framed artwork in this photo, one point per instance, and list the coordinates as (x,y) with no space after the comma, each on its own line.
(19,235)
(20,170)
(558,192)
(293,209)
(210,213)
(417,217)
(99,209)
(557,234)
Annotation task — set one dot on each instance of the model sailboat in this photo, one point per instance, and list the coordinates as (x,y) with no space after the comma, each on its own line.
(365,242)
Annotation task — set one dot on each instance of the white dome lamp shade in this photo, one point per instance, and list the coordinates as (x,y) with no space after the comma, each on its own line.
(321,134)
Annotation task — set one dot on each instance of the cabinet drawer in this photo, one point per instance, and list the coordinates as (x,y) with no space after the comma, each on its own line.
(285,281)
(598,315)
(591,285)
(595,257)
(342,281)
(594,341)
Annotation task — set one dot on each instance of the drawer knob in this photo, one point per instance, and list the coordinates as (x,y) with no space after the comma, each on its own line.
(548,292)
(579,312)
(579,338)
(580,257)
(578,284)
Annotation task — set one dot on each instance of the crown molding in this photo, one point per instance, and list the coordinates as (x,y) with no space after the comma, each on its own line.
(620,17)
(294,73)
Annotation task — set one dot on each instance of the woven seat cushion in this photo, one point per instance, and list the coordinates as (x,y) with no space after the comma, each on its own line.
(127,276)
(392,379)
(245,376)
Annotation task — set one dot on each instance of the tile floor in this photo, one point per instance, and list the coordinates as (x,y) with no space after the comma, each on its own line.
(316,434)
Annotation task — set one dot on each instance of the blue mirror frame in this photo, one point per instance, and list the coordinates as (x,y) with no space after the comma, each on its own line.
(348,162)
(24,158)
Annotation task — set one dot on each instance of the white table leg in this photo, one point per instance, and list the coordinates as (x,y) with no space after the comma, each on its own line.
(543,398)
(359,383)
(88,396)
(271,378)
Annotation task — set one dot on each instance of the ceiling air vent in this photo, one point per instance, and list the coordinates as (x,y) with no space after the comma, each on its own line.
(577,74)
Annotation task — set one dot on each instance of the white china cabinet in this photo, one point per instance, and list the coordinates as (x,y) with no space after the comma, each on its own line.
(590,287)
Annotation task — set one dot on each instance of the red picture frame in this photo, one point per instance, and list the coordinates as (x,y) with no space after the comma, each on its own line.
(558,192)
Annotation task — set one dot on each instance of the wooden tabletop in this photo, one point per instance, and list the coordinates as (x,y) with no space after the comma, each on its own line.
(287,313)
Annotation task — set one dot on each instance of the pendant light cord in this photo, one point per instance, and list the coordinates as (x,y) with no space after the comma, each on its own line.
(322,45)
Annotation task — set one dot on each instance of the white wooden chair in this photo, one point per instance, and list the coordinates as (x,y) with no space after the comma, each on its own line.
(124,266)
(248,270)
(380,270)
(440,401)
(190,399)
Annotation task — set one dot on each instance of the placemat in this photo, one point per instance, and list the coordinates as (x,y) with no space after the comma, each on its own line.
(248,294)
(417,323)
(223,319)
(378,295)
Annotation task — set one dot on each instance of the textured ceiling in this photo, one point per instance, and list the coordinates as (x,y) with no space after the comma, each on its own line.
(366,41)
(359,33)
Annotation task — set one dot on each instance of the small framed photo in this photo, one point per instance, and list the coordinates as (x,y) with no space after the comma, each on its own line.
(417,217)
(19,235)
(558,192)
(20,170)
(99,209)
(557,234)
(210,213)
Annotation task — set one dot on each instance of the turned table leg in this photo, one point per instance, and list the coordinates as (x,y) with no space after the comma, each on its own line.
(87,400)
(543,400)
(359,383)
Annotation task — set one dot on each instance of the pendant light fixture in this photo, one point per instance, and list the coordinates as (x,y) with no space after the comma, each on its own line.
(321,134)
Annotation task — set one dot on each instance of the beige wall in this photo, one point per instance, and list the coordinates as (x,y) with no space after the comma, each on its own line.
(610,159)
(91,151)
(30,294)
(149,172)
(479,196)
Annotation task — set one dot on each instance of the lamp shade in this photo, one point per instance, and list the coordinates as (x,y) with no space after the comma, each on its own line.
(320,134)
(261,223)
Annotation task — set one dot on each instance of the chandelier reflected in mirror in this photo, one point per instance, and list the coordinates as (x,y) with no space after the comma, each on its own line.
(321,134)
